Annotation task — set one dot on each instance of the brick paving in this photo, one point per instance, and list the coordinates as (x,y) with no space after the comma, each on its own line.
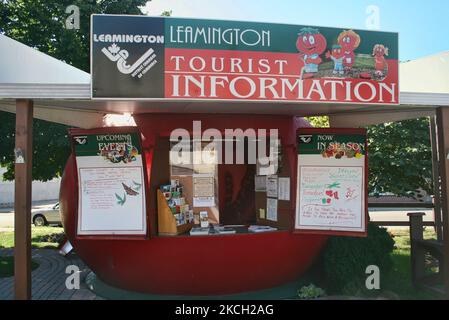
(48,280)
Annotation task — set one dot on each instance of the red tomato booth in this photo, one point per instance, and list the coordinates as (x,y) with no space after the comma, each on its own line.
(145,220)
(197,265)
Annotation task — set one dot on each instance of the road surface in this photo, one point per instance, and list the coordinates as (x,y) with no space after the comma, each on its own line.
(7,214)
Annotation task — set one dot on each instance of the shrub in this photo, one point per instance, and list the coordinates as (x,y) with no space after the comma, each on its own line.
(345,259)
(310,292)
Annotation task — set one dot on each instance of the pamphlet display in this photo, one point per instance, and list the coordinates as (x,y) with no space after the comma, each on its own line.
(111,184)
(204,219)
(331,188)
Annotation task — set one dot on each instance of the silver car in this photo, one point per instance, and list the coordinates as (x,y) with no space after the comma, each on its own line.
(45,217)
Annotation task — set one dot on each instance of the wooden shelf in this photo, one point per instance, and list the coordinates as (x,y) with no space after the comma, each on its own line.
(166,220)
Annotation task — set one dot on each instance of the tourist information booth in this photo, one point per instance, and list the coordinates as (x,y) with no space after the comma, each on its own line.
(221,186)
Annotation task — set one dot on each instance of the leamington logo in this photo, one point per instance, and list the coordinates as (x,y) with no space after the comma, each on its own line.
(80,140)
(207,147)
(305,139)
(138,68)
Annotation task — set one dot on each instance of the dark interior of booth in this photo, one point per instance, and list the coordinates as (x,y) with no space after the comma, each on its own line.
(237,203)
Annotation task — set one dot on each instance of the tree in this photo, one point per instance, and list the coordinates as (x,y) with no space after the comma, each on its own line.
(41,24)
(319,122)
(50,148)
(399,155)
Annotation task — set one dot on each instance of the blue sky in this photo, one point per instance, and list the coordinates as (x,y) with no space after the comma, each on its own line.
(423,25)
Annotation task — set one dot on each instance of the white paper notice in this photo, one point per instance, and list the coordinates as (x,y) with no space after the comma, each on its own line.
(272,209)
(284,189)
(111,185)
(272,186)
(260,183)
(331,197)
(111,200)
(203,190)
(331,182)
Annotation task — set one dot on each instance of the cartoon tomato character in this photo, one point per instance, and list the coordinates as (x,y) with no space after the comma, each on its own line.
(310,44)
(349,41)
(379,53)
(337,56)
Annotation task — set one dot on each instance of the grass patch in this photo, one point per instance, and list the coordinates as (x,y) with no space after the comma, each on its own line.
(7,266)
(396,283)
(41,237)
(399,280)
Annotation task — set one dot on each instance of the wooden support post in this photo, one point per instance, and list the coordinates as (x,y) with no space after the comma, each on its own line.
(416,253)
(436,179)
(22,199)
(442,119)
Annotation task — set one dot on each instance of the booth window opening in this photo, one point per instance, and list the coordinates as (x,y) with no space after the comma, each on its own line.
(210,197)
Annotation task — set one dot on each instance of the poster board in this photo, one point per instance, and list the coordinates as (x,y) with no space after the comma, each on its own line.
(332,182)
(111,182)
(203,190)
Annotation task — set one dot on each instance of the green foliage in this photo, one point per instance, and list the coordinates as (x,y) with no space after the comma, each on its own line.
(400,157)
(345,259)
(7,266)
(311,292)
(399,280)
(50,148)
(319,122)
(41,24)
(167,13)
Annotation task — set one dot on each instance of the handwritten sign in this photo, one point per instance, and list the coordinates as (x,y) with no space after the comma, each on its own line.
(331,189)
(111,184)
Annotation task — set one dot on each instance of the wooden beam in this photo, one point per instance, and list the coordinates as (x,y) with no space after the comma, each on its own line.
(442,120)
(417,254)
(436,178)
(74,118)
(22,199)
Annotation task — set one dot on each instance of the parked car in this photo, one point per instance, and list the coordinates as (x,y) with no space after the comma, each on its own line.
(45,217)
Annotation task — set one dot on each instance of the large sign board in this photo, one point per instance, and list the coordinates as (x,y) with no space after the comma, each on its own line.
(141,57)
(111,184)
(332,181)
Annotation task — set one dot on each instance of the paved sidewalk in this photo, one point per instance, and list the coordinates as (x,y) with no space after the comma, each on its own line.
(48,280)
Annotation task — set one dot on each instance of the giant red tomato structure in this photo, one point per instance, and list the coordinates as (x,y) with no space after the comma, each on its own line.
(200,265)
